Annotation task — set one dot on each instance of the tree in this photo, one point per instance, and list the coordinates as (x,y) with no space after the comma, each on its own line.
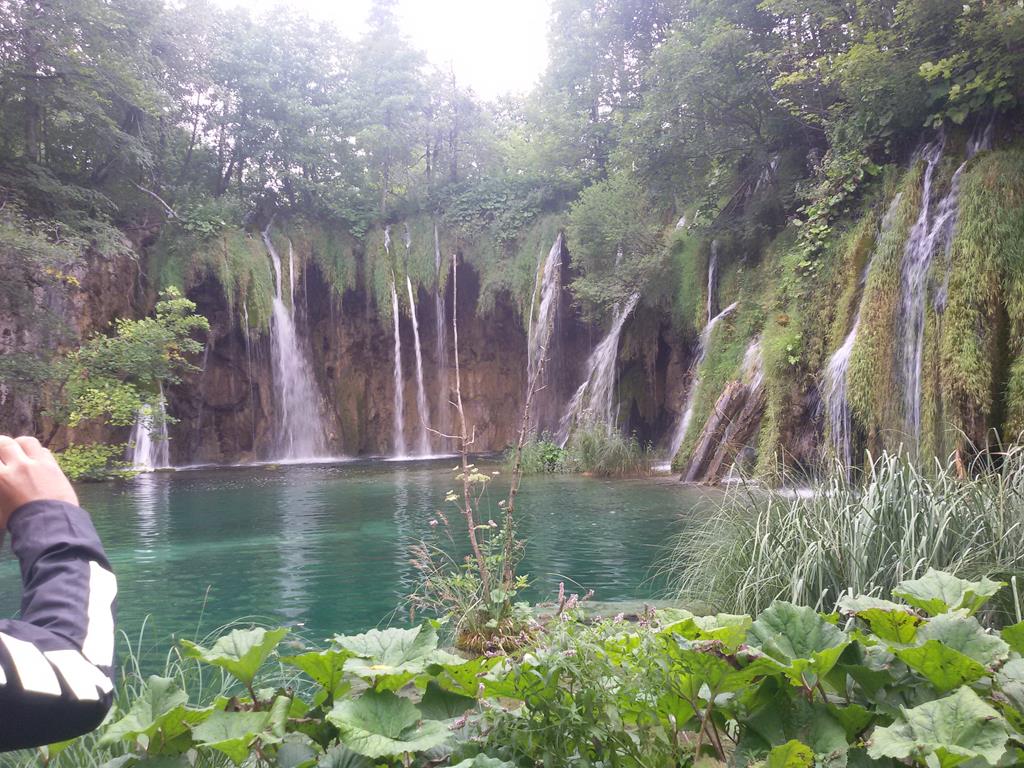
(111,378)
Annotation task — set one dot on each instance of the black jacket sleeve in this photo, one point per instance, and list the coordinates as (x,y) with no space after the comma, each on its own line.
(57,660)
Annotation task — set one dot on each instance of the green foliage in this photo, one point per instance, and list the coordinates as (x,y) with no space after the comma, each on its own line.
(110,379)
(792,688)
(867,535)
(541,455)
(593,449)
(616,242)
(985,280)
(476,593)
(872,374)
(96,461)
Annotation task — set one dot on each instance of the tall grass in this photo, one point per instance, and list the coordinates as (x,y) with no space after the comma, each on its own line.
(860,536)
(595,450)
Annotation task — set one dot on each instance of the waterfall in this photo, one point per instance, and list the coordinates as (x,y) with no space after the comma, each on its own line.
(834,389)
(398,443)
(441,340)
(595,396)
(549,284)
(679,435)
(932,231)
(148,444)
(712,281)
(423,448)
(248,362)
(301,430)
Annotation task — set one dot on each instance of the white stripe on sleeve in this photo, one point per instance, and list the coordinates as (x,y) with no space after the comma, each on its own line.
(33,669)
(82,677)
(99,636)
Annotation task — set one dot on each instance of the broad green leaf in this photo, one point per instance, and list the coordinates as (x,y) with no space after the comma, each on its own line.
(1014,636)
(939,592)
(391,657)
(854,718)
(892,622)
(777,716)
(466,677)
(382,724)
(343,757)
(696,665)
(944,667)
(799,638)
(325,667)
(792,754)
(483,761)
(944,732)
(731,630)
(231,732)
(965,634)
(160,704)
(439,704)
(1010,682)
(240,652)
(295,751)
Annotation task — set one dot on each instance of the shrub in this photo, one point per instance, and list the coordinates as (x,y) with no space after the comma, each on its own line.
(862,535)
(917,682)
(595,450)
(541,455)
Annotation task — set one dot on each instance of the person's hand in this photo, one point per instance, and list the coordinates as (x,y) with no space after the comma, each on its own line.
(28,472)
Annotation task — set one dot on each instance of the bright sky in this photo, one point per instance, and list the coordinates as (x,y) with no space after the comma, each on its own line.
(494,46)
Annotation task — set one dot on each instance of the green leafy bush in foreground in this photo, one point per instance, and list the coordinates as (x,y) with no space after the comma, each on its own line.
(915,682)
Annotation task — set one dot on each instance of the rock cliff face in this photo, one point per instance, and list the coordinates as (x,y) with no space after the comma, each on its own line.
(226,411)
(95,292)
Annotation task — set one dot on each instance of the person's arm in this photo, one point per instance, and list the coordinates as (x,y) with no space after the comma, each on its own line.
(57,660)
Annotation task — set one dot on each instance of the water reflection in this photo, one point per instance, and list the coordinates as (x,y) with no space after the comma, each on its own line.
(329,546)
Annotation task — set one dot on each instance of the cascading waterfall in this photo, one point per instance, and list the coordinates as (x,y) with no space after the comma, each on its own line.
(595,396)
(549,281)
(712,281)
(834,388)
(441,341)
(149,444)
(301,430)
(933,230)
(248,362)
(398,440)
(423,447)
(679,435)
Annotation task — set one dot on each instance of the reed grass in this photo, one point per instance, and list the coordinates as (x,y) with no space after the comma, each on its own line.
(593,449)
(861,536)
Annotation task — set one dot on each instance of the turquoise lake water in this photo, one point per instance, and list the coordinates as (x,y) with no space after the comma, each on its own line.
(325,548)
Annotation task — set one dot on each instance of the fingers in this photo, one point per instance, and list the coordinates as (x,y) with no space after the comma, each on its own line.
(32,448)
(10,451)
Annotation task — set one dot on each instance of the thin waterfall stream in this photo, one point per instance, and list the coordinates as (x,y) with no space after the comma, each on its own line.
(398,439)
(595,397)
(301,432)
(148,444)
(441,341)
(423,445)
(933,231)
(549,284)
(834,384)
(683,427)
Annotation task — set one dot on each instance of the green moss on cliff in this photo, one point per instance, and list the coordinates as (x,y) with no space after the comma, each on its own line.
(236,259)
(987,275)
(872,376)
